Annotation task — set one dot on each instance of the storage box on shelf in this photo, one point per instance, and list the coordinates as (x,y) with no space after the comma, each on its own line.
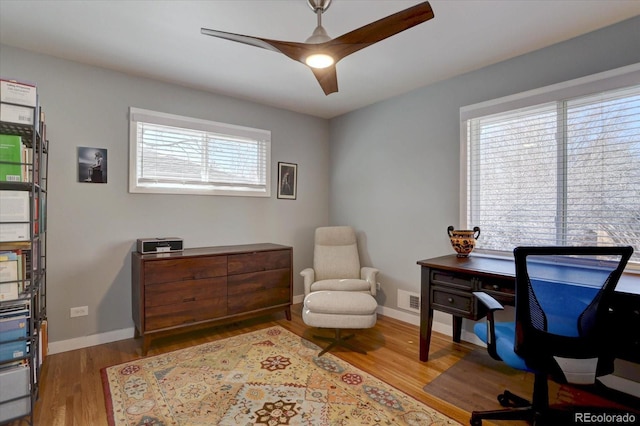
(23,191)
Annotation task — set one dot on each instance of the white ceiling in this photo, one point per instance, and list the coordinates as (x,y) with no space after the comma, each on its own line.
(162,40)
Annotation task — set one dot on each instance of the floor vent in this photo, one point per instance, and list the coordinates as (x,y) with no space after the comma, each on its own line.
(409,301)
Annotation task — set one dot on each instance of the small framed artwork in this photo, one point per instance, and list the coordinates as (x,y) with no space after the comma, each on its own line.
(287,180)
(92,165)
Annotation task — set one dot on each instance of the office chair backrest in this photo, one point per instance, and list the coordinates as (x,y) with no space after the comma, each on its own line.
(562,300)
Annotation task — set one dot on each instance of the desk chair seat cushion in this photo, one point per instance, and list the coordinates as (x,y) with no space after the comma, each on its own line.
(504,343)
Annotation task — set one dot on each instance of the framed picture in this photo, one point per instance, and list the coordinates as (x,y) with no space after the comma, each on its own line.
(92,165)
(287,180)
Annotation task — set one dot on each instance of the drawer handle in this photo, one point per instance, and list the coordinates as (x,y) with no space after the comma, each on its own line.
(450,300)
(188,321)
(190,299)
(496,287)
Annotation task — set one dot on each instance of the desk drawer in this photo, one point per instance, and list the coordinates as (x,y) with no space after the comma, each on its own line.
(454,302)
(496,286)
(447,279)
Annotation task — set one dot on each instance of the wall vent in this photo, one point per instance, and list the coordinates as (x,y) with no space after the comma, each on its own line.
(409,301)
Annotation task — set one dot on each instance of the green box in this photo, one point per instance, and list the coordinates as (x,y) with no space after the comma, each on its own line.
(10,152)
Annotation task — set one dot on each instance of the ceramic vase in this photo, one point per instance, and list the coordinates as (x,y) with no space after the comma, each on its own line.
(463,241)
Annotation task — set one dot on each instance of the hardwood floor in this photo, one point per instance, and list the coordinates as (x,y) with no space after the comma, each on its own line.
(71,388)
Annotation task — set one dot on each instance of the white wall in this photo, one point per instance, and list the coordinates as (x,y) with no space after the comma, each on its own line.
(93,227)
(395,165)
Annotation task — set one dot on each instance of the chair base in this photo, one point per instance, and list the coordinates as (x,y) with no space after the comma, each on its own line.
(338,340)
(518,407)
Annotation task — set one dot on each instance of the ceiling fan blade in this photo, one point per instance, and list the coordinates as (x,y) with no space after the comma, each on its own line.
(295,51)
(327,78)
(376,31)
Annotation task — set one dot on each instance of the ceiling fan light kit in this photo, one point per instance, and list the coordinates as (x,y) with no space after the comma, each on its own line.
(320,52)
(319,60)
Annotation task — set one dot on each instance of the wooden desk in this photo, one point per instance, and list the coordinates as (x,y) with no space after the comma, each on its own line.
(447,283)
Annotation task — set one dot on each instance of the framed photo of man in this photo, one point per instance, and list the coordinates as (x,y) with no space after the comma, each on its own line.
(92,165)
(287,180)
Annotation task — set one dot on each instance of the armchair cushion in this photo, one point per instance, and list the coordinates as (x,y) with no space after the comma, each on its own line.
(349,284)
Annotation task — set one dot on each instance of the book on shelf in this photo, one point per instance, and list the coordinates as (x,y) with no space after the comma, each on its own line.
(15,212)
(10,158)
(18,92)
(14,206)
(18,308)
(14,232)
(12,272)
(9,276)
(17,114)
(27,164)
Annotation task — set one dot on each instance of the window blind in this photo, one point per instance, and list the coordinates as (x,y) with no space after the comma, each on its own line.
(180,155)
(564,172)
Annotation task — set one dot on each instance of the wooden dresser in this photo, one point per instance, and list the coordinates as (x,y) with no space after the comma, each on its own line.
(173,292)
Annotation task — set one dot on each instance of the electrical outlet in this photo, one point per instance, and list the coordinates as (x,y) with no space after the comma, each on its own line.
(79,311)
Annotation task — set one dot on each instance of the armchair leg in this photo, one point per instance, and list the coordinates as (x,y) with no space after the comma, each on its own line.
(338,340)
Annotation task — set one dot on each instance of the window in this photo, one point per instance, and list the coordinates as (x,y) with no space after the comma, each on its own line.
(170,154)
(555,170)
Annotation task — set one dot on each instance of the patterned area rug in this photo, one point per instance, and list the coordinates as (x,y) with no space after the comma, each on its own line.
(269,377)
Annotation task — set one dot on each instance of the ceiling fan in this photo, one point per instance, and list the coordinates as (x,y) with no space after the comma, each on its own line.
(321,53)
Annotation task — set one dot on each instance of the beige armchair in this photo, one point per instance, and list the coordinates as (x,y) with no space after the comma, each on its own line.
(336,264)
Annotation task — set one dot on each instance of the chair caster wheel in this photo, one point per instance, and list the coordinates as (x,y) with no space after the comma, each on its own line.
(475,421)
(504,400)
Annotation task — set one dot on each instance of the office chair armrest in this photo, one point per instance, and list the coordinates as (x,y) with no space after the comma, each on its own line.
(309,276)
(492,306)
(369,274)
(488,301)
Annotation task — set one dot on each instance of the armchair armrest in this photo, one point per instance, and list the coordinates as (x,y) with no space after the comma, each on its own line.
(369,274)
(309,276)
(492,305)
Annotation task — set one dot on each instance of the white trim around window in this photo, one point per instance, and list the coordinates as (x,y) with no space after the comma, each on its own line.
(172,154)
(557,165)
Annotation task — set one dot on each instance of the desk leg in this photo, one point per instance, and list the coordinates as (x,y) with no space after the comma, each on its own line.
(457,328)
(426,314)
(426,320)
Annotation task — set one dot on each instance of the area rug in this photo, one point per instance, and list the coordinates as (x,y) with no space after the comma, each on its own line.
(268,377)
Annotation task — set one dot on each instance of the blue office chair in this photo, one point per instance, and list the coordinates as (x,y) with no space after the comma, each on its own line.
(562,313)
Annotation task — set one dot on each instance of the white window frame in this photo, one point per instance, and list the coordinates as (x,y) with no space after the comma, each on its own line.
(137,115)
(608,80)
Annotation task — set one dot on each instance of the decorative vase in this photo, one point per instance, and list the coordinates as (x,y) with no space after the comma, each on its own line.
(463,240)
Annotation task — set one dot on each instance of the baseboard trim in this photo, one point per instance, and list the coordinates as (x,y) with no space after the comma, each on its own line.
(92,340)
(127,333)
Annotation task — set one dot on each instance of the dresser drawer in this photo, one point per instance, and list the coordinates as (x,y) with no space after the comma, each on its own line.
(185,291)
(446,279)
(258,290)
(184,313)
(258,261)
(454,302)
(190,268)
